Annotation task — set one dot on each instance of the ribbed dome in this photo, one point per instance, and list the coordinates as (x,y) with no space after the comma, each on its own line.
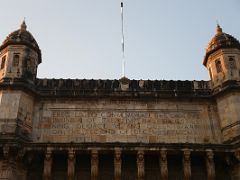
(219,41)
(22,37)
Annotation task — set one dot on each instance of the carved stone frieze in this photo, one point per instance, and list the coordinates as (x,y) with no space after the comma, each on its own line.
(58,123)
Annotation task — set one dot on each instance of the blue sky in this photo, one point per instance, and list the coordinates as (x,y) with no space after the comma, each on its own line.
(164,39)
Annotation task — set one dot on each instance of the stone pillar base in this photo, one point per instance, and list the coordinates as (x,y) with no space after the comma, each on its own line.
(10,170)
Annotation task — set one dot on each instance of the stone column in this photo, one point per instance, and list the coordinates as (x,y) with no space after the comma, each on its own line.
(94,165)
(140,165)
(71,164)
(163,164)
(47,170)
(8,170)
(117,164)
(21,167)
(187,164)
(235,170)
(12,166)
(7,165)
(210,165)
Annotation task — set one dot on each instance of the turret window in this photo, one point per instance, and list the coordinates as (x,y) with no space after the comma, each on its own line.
(218,66)
(232,63)
(3,62)
(15,60)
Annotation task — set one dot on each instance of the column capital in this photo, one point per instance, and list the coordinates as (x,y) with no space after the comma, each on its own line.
(163,155)
(117,149)
(48,152)
(140,156)
(94,151)
(187,150)
(118,153)
(210,154)
(186,153)
(140,152)
(71,154)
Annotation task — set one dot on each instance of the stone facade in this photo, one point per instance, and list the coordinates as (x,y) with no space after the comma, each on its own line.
(118,129)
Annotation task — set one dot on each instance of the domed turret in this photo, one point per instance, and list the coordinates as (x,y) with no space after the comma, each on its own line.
(221,40)
(20,55)
(222,58)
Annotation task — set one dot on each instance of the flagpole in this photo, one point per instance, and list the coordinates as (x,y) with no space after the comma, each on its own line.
(123,57)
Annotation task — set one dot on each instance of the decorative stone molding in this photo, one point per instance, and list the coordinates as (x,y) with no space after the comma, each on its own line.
(94,165)
(210,165)
(117,164)
(71,164)
(163,164)
(187,164)
(47,171)
(140,164)
(124,83)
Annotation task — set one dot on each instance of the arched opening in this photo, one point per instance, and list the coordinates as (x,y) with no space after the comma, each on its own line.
(218,66)
(16,60)
(232,63)
(3,62)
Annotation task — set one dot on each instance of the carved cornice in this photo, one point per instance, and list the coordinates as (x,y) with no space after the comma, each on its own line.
(72,88)
(132,146)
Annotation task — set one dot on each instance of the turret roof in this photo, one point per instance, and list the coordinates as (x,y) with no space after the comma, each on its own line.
(219,41)
(22,37)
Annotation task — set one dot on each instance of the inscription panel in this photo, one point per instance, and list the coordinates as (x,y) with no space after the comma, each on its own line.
(118,124)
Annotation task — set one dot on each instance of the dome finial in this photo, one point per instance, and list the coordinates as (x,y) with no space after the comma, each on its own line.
(23,25)
(218,29)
